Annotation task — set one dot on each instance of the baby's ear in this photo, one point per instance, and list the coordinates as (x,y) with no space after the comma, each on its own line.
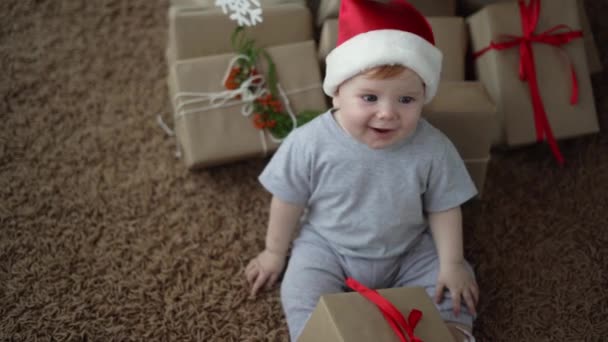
(335,101)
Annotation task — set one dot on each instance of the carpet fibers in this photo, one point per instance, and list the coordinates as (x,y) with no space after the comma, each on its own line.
(105,236)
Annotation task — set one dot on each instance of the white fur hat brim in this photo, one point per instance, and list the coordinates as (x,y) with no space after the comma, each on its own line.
(384,47)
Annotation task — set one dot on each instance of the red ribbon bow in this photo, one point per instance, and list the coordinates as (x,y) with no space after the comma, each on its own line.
(393,316)
(527,71)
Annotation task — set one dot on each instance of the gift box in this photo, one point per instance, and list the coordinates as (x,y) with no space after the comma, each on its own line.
(197,32)
(450,38)
(464,112)
(327,38)
(330,8)
(211,135)
(211,3)
(593,57)
(351,317)
(519,103)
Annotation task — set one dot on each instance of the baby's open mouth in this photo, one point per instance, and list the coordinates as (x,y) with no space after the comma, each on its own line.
(381,130)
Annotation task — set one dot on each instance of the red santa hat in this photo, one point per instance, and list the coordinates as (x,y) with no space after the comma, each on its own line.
(371,34)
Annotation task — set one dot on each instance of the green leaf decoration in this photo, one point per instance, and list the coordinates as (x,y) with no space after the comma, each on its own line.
(268,111)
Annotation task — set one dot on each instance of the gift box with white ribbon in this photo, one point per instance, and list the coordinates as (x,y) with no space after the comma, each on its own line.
(215,125)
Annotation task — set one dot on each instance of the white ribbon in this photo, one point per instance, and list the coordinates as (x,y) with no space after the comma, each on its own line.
(249,90)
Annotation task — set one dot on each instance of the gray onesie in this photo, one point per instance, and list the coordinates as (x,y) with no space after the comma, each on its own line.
(366,211)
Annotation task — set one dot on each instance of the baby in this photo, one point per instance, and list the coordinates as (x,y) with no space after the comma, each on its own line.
(382,187)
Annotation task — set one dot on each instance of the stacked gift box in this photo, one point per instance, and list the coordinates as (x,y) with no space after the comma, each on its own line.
(213,130)
(198,31)
(495,108)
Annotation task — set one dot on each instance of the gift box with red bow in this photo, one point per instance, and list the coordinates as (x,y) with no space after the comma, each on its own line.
(468,7)
(531,58)
(388,315)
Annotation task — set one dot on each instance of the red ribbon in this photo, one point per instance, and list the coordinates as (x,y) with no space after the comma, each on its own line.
(527,71)
(392,315)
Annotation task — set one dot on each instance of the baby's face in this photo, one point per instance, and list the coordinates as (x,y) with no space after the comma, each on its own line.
(380,112)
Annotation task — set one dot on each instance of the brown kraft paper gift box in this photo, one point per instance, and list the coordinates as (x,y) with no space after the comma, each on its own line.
(464,112)
(499,72)
(329,8)
(450,38)
(211,3)
(221,135)
(593,56)
(198,32)
(350,317)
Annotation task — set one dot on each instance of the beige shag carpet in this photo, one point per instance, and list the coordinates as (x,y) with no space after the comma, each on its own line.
(104,236)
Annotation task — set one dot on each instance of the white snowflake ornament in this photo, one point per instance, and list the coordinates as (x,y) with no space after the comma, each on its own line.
(244,12)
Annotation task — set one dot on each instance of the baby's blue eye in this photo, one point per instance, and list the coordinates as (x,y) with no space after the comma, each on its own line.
(369,98)
(406,99)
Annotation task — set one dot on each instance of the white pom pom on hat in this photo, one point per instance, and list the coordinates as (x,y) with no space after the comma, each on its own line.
(371,34)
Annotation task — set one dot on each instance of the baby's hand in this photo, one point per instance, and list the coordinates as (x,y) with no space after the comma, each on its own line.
(264,270)
(457,278)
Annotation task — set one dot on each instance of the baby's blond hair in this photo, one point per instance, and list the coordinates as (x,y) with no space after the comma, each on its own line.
(384,71)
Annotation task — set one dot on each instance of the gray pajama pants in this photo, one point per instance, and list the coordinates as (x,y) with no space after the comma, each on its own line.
(315,269)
